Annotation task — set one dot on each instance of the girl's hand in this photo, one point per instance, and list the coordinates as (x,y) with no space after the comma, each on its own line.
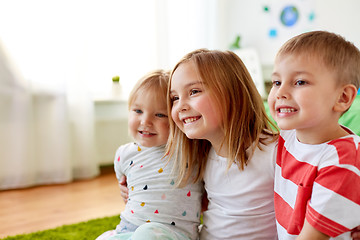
(355,233)
(124,189)
(205,202)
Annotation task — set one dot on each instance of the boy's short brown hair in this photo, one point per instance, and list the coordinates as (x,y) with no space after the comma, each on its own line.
(332,50)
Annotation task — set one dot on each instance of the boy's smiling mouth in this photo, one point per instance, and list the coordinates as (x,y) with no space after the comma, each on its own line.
(286,110)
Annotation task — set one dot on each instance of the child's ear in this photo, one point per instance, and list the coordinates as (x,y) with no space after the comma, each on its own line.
(346,98)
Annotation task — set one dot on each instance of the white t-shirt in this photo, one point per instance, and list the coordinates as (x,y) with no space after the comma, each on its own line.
(152,195)
(241,203)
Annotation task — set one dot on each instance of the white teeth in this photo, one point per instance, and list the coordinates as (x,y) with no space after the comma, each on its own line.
(189,120)
(145,133)
(286,110)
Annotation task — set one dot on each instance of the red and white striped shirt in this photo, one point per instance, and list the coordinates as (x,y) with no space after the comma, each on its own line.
(318,182)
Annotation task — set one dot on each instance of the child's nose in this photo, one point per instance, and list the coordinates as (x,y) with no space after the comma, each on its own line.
(183,105)
(146,120)
(282,92)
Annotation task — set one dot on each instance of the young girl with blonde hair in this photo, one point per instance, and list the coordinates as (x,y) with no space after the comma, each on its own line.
(221,134)
(155,209)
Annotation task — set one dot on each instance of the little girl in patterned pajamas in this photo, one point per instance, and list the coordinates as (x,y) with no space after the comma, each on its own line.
(154,201)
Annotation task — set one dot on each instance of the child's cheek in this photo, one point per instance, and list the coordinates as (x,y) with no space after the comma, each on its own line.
(175,117)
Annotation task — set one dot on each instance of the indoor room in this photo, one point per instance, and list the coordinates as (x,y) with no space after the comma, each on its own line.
(67,69)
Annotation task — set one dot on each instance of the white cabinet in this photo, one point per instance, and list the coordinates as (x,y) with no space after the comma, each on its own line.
(111,128)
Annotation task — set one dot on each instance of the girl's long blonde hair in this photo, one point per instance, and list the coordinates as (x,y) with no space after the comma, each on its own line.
(245,122)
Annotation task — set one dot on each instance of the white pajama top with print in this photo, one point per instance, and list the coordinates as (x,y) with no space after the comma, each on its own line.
(152,194)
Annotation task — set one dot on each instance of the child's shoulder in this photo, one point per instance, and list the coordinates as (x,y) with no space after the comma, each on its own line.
(128,149)
(349,143)
(134,149)
(345,151)
(131,146)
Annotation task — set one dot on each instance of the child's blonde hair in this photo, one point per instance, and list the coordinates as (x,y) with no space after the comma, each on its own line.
(156,81)
(338,55)
(245,122)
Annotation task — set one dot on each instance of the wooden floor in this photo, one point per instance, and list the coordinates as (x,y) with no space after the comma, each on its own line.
(44,207)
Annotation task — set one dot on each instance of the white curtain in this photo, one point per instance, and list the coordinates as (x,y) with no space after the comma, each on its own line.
(42,140)
(58,57)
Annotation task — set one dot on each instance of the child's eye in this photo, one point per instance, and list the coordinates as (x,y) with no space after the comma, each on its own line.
(174,98)
(300,82)
(276,83)
(160,115)
(138,111)
(194,91)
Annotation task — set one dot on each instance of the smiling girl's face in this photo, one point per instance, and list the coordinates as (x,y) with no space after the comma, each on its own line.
(194,110)
(148,120)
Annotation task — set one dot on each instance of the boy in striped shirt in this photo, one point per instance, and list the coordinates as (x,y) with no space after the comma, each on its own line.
(317,177)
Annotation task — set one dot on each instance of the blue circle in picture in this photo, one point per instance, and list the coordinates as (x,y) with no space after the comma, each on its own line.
(289,16)
(272,33)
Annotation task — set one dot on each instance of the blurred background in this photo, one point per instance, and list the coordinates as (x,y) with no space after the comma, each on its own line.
(62,116)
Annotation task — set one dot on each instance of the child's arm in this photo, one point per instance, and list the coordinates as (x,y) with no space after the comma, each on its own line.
(124,189)
(204,202)
(309,232)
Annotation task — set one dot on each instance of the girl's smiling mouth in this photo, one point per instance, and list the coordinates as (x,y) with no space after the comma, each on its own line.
(190,119)
(146,133)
